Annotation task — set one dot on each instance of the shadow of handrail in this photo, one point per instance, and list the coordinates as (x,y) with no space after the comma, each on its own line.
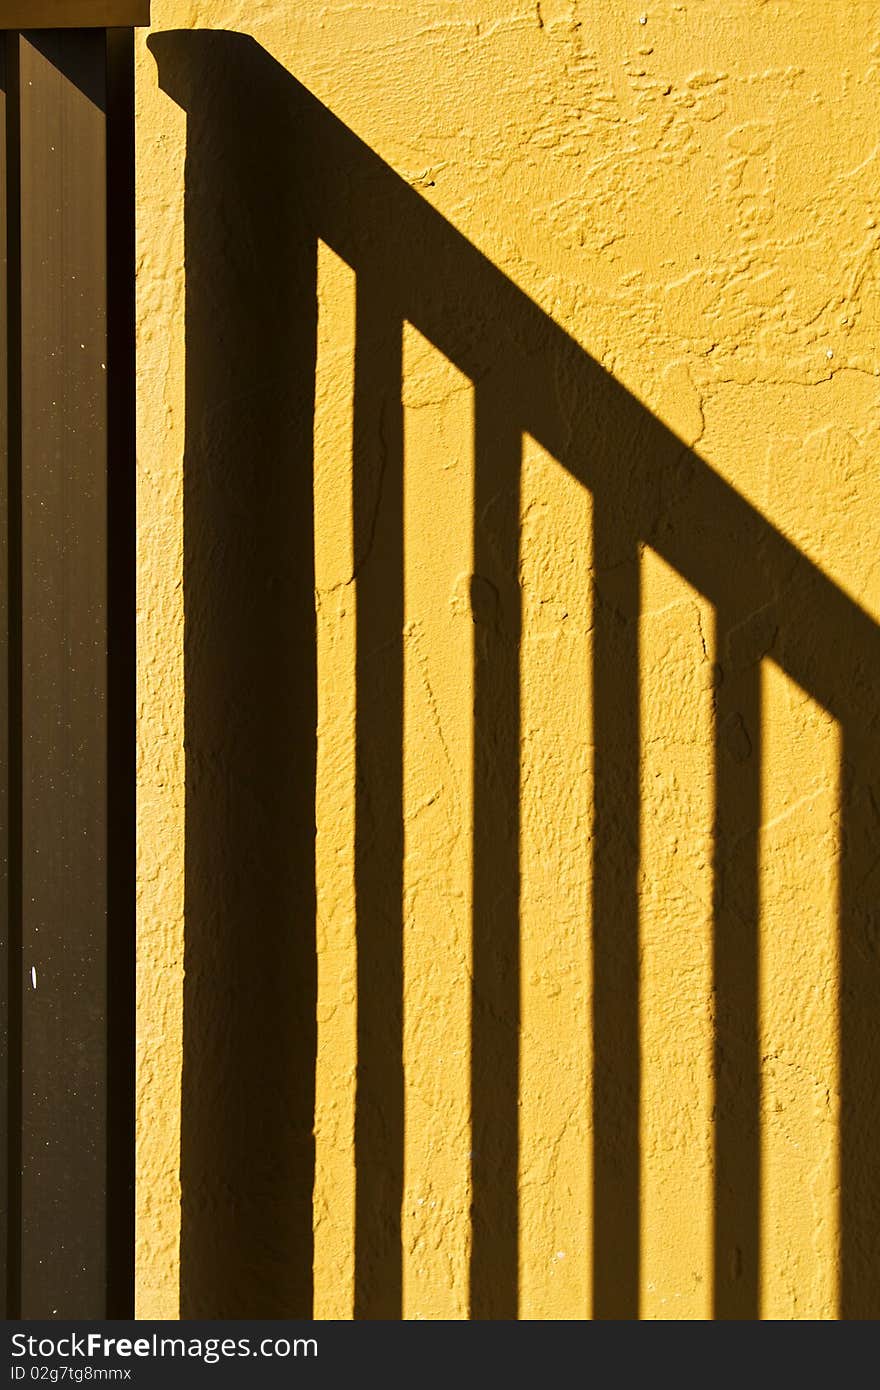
(269,172)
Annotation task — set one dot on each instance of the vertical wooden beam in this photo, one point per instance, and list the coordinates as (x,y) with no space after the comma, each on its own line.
(66,752)
(11,519)
(4,685)
(64,673)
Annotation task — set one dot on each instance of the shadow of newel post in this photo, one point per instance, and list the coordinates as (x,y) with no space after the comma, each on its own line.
(67,655)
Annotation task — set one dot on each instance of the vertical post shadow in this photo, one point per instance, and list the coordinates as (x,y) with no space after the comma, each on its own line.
(378,540)
(735,972)
(495,1003)
(247,1147)
(616,1055)
(860,1023)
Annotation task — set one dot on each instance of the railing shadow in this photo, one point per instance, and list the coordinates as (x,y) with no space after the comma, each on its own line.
(269,171)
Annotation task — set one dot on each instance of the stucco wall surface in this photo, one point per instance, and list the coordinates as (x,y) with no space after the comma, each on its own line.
(588,649)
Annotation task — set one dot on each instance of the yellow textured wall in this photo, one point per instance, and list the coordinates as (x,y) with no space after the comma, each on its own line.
(601,1033)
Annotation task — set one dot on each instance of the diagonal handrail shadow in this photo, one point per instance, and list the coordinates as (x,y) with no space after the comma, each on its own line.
(269,171)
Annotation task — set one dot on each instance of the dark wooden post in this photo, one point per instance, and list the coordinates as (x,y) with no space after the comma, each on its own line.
(67,661)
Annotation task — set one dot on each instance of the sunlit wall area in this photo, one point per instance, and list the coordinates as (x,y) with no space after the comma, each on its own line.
(508,658)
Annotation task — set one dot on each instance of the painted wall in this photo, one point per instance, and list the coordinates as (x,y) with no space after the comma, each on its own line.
(507,415)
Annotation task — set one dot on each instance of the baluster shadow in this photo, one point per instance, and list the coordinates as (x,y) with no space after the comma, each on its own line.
(247,1151)
(379,542)
(495,988)
(270,170)
(615,868)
